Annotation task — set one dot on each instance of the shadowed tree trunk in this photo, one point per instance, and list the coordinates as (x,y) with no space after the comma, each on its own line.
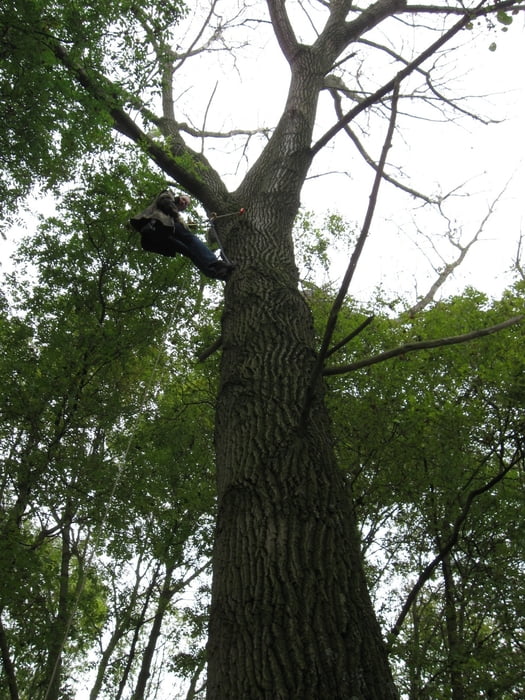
(290,602)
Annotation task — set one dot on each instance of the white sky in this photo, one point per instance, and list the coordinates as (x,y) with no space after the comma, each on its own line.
(434,155)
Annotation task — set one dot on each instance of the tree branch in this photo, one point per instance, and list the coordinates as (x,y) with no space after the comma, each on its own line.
(350,336)
(422,345)
(201,179)
(428,80)
(207,352)
(458,10)
(332,319)
(447,548)
(283,29)
(371,16)
(449,268)
(336,307)
(334,91)
(403,73)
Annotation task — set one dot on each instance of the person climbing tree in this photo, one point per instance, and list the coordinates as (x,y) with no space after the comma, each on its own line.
(162,230)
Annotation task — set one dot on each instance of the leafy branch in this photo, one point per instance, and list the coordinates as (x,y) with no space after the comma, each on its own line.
(422,345)
(449,545)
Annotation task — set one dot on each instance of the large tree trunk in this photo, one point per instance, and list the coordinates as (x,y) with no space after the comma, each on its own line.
(291,616)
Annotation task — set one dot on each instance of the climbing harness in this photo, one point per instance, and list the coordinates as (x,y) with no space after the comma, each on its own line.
(213,234)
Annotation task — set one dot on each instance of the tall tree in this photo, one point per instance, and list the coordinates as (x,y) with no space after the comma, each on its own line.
(290,615)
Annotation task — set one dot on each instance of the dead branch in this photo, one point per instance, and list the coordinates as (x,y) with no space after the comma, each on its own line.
(422,345)
(449,268)
(429,82)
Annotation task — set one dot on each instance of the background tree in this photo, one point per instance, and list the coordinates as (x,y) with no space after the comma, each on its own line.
(434,447)
(89,451)
(291,613)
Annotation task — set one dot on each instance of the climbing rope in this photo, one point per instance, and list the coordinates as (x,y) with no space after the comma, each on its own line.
(214,233)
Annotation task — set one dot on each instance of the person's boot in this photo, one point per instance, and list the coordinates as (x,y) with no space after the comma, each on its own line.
(221,270)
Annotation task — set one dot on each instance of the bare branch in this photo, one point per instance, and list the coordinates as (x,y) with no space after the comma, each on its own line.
(283,29)
(449,268)
(334,91)
(428,80)
(198,133)
(422,345)
(206,115)
(518,265)
(403,73)
(191,51)
(336,307)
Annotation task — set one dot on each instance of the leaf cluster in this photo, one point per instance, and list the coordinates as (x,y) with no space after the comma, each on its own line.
(432,445)
(106,436)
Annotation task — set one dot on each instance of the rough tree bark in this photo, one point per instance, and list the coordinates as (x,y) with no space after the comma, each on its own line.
(289,605)
(290,616)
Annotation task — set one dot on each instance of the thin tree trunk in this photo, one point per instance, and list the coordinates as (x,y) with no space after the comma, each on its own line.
(53,676)
(165,596)
(136,634)
(121,627)
(8,666)
(455,651)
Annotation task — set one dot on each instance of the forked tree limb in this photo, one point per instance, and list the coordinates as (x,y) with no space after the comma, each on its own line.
(372,99)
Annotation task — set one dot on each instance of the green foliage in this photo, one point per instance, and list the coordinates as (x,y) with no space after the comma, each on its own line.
(106,436)
(49,121)
(314,239)
(432,444)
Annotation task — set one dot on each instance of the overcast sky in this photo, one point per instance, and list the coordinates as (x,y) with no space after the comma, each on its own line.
(406,239)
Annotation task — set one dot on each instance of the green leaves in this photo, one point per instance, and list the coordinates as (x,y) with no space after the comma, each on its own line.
(504,18)
(50,122)
(106,431)
(432,444)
